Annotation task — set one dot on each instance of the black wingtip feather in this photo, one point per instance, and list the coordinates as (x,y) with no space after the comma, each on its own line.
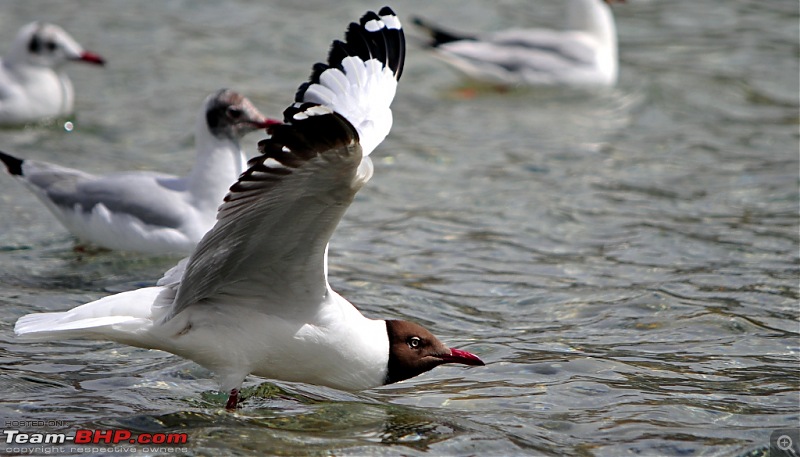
(379,47)
(396,43)
(340,50)
(358,44)
(13,164)
(301,91)
(369,16)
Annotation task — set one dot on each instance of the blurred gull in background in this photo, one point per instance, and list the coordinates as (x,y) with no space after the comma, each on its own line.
(147,211)
(33,86)
(254,296)
(584,53)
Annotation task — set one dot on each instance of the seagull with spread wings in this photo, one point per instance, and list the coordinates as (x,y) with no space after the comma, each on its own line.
(254,298)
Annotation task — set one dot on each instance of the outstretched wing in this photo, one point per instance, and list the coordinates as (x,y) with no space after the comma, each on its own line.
(269,246)
(269,241)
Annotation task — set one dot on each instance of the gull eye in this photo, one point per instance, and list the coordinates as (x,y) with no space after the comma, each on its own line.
(35,45)
(414,342)
(50,45)
(234,113)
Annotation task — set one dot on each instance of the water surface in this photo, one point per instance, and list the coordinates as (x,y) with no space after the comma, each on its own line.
(625,260)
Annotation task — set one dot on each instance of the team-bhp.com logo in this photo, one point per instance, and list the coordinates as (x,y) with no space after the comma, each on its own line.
(94,437)
(91,441)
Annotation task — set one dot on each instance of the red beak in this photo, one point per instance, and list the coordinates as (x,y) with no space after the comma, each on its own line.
(91,57)
(268,123)
(463,357)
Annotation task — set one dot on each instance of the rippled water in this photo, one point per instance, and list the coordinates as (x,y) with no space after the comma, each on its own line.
(626,261)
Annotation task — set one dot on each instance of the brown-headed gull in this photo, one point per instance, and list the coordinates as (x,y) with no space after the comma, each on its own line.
(584,53)
(147,211)
(33,85)
(254,296)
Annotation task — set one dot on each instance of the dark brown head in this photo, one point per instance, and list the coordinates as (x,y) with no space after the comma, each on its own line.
(414,350)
